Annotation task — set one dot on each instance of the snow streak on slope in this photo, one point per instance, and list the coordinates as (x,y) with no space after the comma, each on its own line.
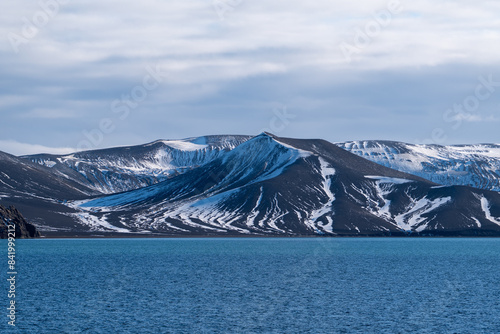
(384,186)
(485,205)
(206,214)
(413,218)
(25,178)
(473,165)
(391,180)
(97,223)
(255,211)
(326,173)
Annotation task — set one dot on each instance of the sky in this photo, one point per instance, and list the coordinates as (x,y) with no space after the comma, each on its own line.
(78,75)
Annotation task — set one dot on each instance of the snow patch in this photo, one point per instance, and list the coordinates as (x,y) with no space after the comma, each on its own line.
(327,227)
(49,163)
(326,172)
(413,219)
(384,179)
(184,145)
(97,223)
(255,212)
(485,205)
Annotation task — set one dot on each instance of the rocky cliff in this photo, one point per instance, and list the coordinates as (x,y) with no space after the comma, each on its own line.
(11,215)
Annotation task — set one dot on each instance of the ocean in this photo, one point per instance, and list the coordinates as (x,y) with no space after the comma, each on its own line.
(255,285)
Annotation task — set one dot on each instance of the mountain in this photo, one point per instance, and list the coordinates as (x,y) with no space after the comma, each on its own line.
(470,165)
(262,185)
(125,168)
(280,186)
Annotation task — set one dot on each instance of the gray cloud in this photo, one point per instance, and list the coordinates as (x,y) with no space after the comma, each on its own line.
(226,76)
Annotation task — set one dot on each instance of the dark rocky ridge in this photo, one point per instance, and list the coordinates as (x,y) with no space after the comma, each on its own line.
(24,229)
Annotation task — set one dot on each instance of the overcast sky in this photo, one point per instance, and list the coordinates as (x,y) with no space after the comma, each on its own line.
(90,74)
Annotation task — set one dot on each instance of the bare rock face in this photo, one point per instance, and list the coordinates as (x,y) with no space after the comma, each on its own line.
(10,216)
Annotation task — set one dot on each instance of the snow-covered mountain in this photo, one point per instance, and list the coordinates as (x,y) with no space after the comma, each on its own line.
(125,168)
(240,185)
(279,186)
(471,165)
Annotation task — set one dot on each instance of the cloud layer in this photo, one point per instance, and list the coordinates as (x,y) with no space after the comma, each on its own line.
(225,66)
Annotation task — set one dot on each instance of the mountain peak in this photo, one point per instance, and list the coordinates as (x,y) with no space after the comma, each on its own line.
(266,134)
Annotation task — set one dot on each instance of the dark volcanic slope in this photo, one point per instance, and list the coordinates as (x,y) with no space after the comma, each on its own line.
(37,192)
(271,185)
(24,177)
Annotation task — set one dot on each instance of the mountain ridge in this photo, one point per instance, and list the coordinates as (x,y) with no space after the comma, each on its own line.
(475,165)
(242,185)
(112,170)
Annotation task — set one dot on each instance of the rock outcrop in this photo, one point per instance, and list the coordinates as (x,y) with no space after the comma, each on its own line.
(23,229)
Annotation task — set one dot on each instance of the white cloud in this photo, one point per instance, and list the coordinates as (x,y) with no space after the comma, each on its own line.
(48,113)
(92,52)
(475,118)
(17,148)
(424,33)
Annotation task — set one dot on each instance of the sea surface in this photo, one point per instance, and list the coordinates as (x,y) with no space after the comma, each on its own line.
(255,285)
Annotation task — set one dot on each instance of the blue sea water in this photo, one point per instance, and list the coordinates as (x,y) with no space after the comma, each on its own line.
(256,285)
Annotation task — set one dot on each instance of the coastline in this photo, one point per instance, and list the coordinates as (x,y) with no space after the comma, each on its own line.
(142,236)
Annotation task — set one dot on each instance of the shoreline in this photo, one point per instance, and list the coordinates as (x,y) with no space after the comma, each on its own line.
(137,236)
